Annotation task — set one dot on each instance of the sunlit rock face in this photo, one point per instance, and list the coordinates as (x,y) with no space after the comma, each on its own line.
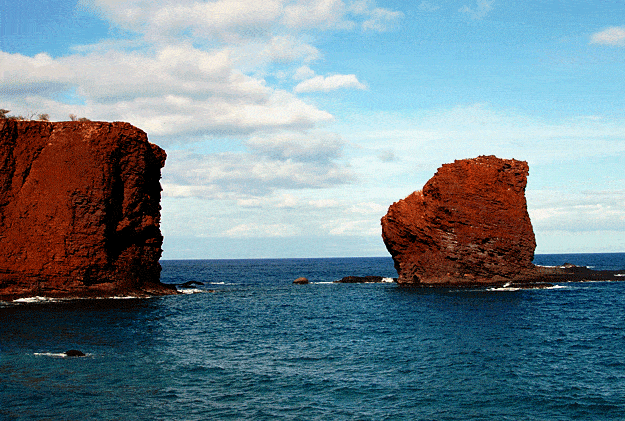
(469,225)
(79,210)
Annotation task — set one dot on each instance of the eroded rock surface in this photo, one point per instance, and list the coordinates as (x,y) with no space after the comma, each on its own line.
(79,210)
(469,225)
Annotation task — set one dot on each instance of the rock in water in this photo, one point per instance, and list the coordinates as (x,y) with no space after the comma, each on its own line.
(301,281)
(74,353)
(79,210)
(469,225)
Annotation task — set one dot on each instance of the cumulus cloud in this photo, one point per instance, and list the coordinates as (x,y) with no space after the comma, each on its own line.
(286,49)
(614,35)
(177,90)
(303,72)
(195,68)
(236,20)
(483,8)
(323,13)
(329,83)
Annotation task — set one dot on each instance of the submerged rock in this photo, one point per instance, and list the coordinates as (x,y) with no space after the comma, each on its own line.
(79,210)
(469,225)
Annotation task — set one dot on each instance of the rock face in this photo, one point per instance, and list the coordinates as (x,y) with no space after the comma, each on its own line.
(469,225)
(79,210)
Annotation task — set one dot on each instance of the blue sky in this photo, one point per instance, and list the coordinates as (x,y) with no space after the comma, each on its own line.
(292,125)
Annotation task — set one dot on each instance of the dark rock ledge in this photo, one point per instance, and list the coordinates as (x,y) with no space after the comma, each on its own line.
(361,279)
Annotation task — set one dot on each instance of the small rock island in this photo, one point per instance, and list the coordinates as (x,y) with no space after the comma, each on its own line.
(79,210)
(469,226)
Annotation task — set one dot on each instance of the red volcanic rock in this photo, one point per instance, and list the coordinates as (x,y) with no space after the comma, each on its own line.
(79,210)
(469,225)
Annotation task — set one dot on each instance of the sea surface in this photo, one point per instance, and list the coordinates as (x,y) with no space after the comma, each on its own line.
(250,345)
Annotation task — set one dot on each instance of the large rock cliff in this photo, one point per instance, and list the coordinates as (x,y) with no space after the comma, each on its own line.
(79,210)
(469,225)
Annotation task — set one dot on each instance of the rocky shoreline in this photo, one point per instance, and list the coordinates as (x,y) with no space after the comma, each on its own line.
(544,277)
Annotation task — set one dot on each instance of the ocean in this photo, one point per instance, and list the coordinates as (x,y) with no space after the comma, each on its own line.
(250,345)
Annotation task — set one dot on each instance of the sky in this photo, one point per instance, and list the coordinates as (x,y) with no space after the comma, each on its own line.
(291,125)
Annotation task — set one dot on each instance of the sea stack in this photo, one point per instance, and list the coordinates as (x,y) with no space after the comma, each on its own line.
(468,226)
(79,210)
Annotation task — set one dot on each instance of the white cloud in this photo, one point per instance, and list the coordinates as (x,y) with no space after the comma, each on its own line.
(178,90)
(303,72)
(329,83)
(198,70)
(159,20)
(381,20)
(246,174)
(237,20)
(614,35)
(256,230)
(574,211)
(316,147)
(357,228)
(286,49)
(324,14)
(324,203)
(483,8)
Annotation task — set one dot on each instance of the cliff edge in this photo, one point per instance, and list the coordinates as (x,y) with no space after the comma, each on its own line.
(79,210)
(469,225)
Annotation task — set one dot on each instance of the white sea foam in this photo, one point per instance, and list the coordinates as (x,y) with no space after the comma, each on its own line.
(218,283)
(388,280)
(36,299)
(192,291)
(323,282)
(55,354)
(620,274)
(507,287)
(51,354)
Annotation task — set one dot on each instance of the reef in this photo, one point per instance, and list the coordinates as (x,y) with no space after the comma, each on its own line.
(79,210)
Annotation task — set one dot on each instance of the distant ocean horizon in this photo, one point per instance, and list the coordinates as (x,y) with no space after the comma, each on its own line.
(246,344)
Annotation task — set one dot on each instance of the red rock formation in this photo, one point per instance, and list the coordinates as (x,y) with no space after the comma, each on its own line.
(469,225)
(79,210)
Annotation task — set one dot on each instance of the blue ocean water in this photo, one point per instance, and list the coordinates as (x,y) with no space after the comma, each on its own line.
(258,347)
